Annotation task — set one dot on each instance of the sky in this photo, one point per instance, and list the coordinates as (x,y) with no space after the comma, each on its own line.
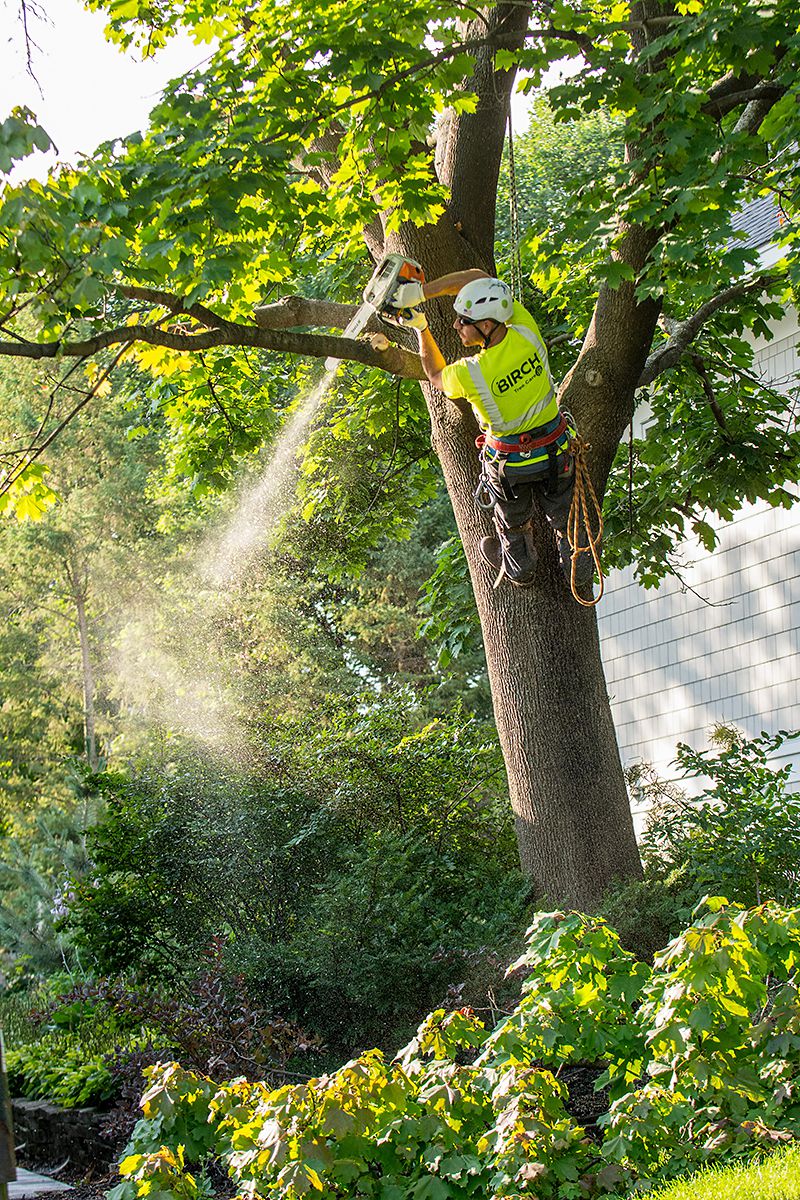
(90,90)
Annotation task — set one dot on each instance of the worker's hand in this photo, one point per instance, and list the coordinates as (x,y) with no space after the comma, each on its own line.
(412,318)
(408,295)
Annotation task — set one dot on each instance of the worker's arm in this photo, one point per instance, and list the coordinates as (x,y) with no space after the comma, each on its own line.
(413,293)
(451,285)
(433,362)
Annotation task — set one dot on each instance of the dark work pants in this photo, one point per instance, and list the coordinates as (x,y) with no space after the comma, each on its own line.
(515,498)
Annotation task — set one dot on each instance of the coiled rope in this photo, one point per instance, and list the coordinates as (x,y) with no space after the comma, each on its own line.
(584,513)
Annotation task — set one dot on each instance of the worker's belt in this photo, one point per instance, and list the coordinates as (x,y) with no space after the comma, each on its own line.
(524,443)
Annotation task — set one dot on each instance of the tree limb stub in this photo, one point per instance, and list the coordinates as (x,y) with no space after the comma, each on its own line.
(394,360)
(683,333)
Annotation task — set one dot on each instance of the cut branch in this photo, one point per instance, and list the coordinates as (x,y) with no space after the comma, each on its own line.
(291,311)
(683,333)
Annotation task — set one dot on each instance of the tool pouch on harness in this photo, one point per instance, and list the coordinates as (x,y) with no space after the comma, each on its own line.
(496,480)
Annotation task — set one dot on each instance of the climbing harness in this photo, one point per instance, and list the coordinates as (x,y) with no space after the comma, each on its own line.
(522,443)
(495,451)
(584,509)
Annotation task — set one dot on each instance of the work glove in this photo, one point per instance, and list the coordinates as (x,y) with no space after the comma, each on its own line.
(412,318)
(408,295)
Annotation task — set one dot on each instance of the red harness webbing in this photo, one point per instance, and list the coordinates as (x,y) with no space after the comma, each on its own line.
(525,444)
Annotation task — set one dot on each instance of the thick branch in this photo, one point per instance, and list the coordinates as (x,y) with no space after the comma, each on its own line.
(683,333)
(761,101)
(735,90)
(394,360)
(291,311)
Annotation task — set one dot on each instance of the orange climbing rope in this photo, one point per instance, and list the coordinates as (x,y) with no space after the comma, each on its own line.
(584,510)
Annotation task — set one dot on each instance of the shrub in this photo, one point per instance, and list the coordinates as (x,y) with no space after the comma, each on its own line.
(60,1069)
(740,837)
(214,1025)
(463,1111)
(356,870)
(95,1039)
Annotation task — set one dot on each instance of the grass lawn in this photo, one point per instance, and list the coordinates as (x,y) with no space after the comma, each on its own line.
(773,1178)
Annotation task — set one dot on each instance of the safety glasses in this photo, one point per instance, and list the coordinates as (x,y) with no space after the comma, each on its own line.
(463,320)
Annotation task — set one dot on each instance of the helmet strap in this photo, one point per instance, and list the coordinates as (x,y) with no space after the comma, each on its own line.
(487,337)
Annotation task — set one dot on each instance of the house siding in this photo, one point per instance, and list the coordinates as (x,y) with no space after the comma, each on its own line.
(723,648)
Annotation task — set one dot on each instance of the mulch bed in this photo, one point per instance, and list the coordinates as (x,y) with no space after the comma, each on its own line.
(87,1185)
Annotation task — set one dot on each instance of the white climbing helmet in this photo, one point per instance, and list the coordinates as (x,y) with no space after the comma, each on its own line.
(485,299)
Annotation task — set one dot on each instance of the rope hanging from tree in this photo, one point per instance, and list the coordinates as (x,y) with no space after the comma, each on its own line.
(513,215)
(584,515)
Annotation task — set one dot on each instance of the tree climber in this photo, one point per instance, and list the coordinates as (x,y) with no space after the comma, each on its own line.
(524,444)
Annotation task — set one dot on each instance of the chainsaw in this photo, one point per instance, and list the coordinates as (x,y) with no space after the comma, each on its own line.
(390,273)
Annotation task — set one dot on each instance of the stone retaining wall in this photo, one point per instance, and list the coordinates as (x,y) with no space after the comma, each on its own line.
(46,1134)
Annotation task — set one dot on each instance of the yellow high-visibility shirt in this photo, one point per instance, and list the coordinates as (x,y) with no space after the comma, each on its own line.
(509,385)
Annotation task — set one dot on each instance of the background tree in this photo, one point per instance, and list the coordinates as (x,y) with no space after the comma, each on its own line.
(311,124)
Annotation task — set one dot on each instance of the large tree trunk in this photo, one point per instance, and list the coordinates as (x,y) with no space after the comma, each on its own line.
(552,711)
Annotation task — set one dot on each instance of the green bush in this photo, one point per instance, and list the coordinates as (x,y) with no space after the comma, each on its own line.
(355,870)
(385,935)
(698,1054)
(60,1069)
(739,837)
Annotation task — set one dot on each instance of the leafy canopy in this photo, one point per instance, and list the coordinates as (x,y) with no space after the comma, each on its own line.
(262,167)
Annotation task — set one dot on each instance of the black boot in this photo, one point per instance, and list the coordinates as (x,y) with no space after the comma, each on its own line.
(491,553)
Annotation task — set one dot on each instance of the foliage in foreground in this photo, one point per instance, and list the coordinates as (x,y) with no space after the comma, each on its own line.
(778,1175)
(698,1054)
(739,837)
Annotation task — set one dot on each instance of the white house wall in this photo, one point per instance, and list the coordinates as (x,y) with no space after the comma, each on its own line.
(680,661)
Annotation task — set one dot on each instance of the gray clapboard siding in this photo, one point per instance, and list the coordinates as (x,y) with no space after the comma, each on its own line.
(677,666)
